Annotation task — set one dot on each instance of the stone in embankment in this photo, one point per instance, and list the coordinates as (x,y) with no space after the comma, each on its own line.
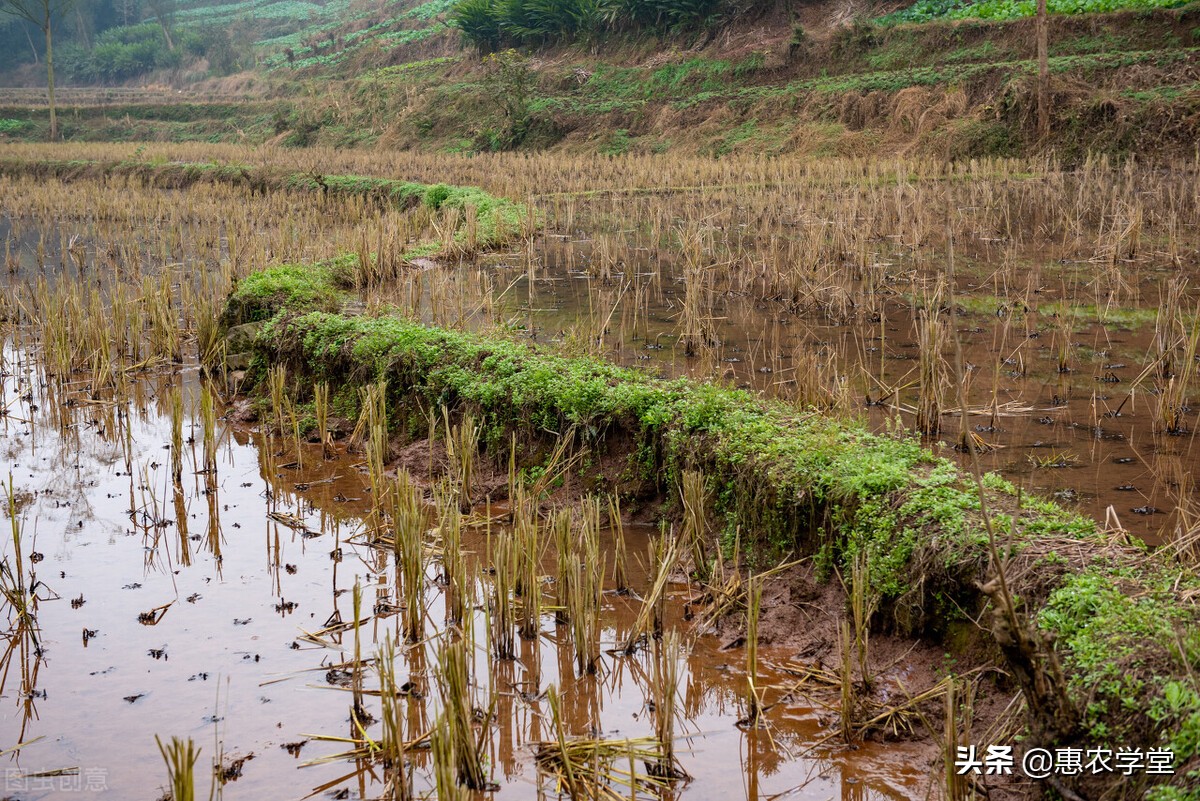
(239,345)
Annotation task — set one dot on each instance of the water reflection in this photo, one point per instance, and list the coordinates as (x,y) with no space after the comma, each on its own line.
(240,571)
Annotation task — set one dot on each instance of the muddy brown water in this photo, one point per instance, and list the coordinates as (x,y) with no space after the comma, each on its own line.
(1085,437)
(227,665)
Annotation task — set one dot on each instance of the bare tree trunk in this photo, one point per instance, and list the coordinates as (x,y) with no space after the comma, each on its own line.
(83,29)
(1043,78)
(162,23)
(50,75)
(164,12)
(36,58)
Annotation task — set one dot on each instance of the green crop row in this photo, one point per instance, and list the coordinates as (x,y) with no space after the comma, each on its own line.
(928,10)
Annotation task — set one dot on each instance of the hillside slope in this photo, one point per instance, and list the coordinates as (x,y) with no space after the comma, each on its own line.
(819,79)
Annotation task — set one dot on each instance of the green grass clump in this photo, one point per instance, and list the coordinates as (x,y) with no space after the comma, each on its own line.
(499,219)
(262,294)
(402,193)
(669,81)
(1084,313)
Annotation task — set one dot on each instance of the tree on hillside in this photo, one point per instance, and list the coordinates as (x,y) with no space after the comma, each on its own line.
(164,14)
(511,83)
(42,14)
(126,11)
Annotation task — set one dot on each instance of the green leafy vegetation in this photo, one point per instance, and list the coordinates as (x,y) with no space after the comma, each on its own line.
(1130,645)
(123,52)
(618,143)
(295,10)
(928,10)
(493,24)
(336,50)
(290,285)
(231,36)
(323,40)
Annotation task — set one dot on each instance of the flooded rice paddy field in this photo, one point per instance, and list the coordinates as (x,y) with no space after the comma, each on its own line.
(1065,361)
(217,607)
(1065,410)
(185,611)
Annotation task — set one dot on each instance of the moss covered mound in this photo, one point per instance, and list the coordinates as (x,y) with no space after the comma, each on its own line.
(1121,621)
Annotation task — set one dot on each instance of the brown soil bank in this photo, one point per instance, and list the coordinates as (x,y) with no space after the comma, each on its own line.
(1100,636)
